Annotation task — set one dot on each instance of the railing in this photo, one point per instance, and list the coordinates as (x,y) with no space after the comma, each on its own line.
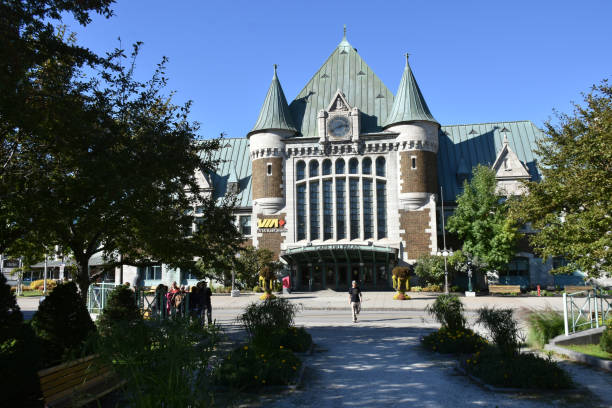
(585,309)
(97,295)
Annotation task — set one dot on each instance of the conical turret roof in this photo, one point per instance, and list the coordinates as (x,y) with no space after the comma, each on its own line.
(274,114)
(409,104)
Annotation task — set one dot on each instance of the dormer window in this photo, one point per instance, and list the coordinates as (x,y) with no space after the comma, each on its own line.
(232,187)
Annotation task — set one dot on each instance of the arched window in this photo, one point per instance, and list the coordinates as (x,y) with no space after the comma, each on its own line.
(366,166)
(340,166)
(353,166)
(380,167)
(300,170)
(313,170)
(327,167)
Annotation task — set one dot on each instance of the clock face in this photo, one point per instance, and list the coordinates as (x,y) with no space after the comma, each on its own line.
(339,126)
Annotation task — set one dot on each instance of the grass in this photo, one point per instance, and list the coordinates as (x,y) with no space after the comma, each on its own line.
(32,293)
(591,350)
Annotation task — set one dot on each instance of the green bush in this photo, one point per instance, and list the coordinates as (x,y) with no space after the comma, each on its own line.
(430,269)
(496,368)
(19,354)
(165,363)
(293,338)
(416,289)
(606,337)
(120,307)
(461,341)
(257,289)
(261,319)
(448,311)
(62,322)
(543,326)
(252,366)
(503,329)
(432,288)
(40,284)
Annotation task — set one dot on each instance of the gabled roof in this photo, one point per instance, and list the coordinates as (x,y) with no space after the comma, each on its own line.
(344,70)
(409,103)
(274,114)
(508,166)
(234,166)
(480,144)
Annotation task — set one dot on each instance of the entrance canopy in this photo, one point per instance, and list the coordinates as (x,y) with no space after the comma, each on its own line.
(340,253)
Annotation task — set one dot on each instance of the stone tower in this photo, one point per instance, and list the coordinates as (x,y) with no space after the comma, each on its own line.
(267,150)
(417,143)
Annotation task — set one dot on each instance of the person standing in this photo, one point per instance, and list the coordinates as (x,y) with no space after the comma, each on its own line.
(355,300)
(205,299)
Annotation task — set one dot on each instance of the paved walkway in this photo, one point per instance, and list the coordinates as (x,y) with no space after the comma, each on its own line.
(381,301)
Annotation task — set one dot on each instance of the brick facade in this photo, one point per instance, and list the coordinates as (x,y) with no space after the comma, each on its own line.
(416,240)
(423,179)
(264,185)
(271,240)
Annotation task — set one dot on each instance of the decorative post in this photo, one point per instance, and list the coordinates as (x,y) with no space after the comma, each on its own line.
(565,313)
(400,278)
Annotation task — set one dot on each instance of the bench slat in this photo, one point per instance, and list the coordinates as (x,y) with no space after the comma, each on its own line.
(76,391)
(47,371)
(92,394)
(83,378)
(76,369)
(572,288)
(504,288)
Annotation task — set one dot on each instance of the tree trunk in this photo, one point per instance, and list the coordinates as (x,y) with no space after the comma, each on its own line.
(82,277)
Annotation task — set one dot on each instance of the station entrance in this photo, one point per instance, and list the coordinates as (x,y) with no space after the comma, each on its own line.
(336,266)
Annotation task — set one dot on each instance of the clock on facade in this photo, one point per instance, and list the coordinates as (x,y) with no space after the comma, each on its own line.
(339,126)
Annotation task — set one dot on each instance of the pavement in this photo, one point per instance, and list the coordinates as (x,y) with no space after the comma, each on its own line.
(383,301)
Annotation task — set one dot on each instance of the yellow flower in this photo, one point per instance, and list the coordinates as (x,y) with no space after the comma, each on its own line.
(468,361)
(261,356)
(281,347)
(283,361)
(255,377)
(263,381)
(246,347)
(294,368)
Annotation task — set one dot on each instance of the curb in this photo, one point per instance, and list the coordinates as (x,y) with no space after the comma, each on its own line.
(514,390)
(596,362)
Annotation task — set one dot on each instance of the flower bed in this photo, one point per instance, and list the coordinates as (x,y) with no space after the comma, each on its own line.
(459,341)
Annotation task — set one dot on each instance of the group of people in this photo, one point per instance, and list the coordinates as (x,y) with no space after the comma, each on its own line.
(199,300)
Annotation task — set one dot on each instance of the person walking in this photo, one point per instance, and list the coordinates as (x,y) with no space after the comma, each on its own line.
(205,301)
(355,300)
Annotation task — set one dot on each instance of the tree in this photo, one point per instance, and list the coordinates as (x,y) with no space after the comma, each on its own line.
(570,208)
(481,221)
(251,263)
(430,269)
(105,163)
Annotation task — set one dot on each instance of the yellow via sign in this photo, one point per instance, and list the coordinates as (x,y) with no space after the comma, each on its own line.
(270,223)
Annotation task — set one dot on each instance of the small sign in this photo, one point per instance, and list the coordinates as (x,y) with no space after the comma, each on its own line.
(271,225)
(11,263)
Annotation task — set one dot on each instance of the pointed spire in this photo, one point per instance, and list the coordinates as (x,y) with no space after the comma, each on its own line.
(409,104)
(344,44)
(274,114)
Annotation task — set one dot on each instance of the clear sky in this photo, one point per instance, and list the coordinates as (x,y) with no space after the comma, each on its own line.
(475,61)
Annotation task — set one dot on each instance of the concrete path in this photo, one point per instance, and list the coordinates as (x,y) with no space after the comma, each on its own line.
(362,366)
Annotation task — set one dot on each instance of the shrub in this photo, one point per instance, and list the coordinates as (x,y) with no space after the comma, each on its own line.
(606,337)
(495,367)
(430,269)
(462,340)
(257,289)
(543,326)
(432,288)
(265,317)
(252,366)
(19,358)
(448,311)
(293,338)
(165,362)
(503,329)
(40,283)
(416,289)
(62,322)
(120,307)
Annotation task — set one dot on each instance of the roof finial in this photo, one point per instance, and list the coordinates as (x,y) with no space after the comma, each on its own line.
(407,57)
(275,66)
(344,31)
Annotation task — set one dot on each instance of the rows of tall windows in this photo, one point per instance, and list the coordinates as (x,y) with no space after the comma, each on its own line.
(352,205)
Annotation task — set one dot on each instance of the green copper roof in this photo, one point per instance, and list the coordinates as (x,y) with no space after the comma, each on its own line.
(344,70)
(409,103)
(234,166)
(275,112)
(462,147)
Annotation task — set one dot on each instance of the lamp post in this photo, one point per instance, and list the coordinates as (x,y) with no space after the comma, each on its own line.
(235,292)
(445,253)
(469,264)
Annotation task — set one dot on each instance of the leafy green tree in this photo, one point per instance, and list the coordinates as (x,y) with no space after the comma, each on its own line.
(430,269)
(251,263)
(570,208)
(120,308)
(101,164)
(481,221)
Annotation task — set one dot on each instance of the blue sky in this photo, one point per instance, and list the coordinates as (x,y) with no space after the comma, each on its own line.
(475,61)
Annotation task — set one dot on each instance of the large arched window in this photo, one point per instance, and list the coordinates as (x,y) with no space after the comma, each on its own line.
(380,167)
(366,166)
(340,166)
(313,170)
(327,167)
(300,170)
(353,166)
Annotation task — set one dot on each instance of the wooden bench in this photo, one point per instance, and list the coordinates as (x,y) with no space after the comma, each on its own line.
(77,382)
(504,288)
(574,289)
